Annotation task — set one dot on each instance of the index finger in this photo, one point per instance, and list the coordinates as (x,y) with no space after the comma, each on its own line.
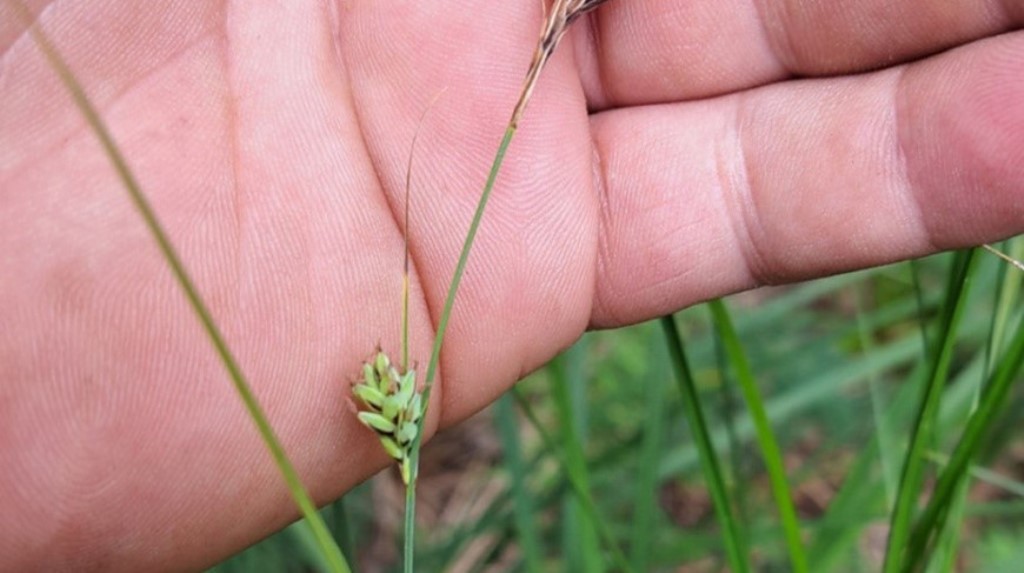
(649,51)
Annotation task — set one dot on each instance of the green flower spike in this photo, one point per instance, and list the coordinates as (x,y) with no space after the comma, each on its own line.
(393,407)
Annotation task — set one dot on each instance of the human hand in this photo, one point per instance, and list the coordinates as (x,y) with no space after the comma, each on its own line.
(273,142)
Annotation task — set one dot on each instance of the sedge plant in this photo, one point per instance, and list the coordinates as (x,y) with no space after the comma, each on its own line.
(393,406)
(396,411)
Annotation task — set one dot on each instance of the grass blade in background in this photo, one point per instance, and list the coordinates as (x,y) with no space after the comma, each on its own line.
(944,554)
(765,436)
(819,392)
(526,526)
(577,482)
(810,395)
(885,435)
(1008,298)
(820,389)
(644,507)
(579,540)
(341,526)
(857,504)
(993,398)
(947,530)
(324,540)
(912,476)
(736,549)
(730,412)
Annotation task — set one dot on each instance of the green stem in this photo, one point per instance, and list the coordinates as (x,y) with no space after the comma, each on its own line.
(980,422)
(460,268)
(323,536)
(409,530)
(545,48)
(765,436)
(527,535)
(735,547)
(577,482)
(912,475)
(442,326)
(453,288)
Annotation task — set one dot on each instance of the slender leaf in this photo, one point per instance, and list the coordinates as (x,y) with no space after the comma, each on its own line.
(912,475)
(579,541)
(323,538)
(732,532)
(526,526)
(644,506)
(978,426)
(765,436)
(577,482)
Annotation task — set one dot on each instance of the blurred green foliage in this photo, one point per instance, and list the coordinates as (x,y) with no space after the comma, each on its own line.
(839,363)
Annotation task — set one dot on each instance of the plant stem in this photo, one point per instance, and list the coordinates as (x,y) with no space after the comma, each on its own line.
(913,469)
(409,529)
(562,13)
(449,302)
(980,422)
(765,436)
(578,482)
(736,549)
(435,355)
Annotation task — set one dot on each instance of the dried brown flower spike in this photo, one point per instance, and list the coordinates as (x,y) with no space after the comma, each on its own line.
(561,14)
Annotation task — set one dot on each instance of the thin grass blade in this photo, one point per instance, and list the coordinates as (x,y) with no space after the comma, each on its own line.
(736,550)
(765,436)
(884,433)
(654,429)
(580,543)
(577,483)
(912,475)
(978,426)
(546,46)
(1008,299)
(323,538)
(528,536)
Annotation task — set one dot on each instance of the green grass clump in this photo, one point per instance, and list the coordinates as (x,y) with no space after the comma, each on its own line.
(842,369)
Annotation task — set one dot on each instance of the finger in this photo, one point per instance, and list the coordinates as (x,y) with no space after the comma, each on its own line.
(654,51)
(810,178)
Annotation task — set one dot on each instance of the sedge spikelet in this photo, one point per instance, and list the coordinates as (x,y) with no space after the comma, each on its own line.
(392,408)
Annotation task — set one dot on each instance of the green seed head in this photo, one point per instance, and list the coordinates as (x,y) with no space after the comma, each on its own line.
(371,396)
(394,408)
(391,407)
(407,387)
(415,410)
(382,364)
(370,376)
(392,447)
(376,422)
(407,433)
